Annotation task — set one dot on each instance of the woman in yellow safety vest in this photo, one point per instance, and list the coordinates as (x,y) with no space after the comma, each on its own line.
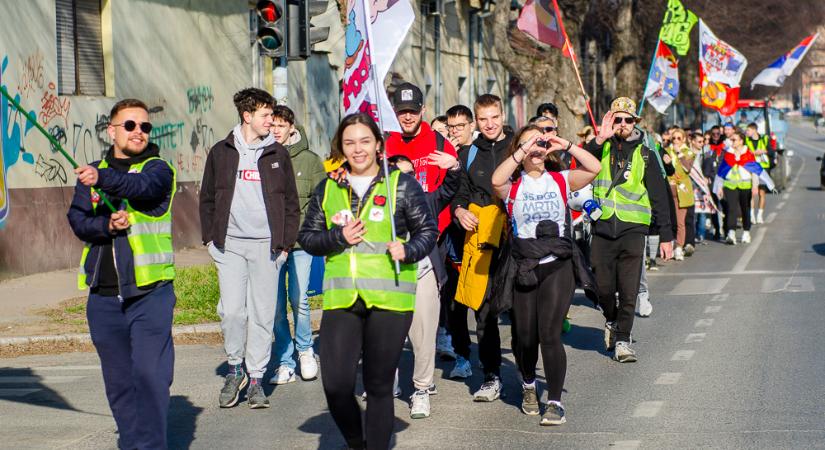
(368,305)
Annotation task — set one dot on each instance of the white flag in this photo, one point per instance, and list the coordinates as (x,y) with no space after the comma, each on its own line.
(374,38)
(720,61)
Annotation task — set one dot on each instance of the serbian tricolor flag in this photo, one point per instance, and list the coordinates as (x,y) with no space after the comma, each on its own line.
(541,20)
(782,68)
(746,165)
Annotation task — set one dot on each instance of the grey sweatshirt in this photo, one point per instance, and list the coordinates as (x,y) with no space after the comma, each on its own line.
(247,215)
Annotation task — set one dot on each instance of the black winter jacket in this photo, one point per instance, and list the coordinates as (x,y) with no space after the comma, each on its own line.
(277,182)
(657,190)
(476,178)
(412,215)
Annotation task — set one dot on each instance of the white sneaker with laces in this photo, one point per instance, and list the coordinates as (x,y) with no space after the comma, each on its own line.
(283,375)
(731,239)
(420,405)
(309,366)
(746,237)
(490,390)
(624,354)
(679,254)
(759,214)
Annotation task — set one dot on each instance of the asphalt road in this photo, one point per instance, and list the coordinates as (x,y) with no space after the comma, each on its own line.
(731,358)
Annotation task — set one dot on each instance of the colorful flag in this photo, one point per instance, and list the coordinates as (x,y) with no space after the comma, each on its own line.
(540,19)
(718,96)
(663,83)
(374,37)
(721,62)
(676,27)
(775,74)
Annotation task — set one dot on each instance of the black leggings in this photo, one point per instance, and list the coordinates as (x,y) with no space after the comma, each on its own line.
(738,201)
(377,337)
(537,318)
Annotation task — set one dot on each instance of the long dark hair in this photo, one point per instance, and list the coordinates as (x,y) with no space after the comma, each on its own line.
(337,151)
(552,161)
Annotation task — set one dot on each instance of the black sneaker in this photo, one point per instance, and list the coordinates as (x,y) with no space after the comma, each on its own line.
(529,400)
(553,415)
(255,396)
(231,391)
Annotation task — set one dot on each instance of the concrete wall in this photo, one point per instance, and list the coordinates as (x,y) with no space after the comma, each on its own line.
(185,58)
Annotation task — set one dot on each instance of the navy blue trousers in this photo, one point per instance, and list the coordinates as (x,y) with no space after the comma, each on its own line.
(133,339)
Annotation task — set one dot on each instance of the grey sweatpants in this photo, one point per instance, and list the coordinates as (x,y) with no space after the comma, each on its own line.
(248,277)
(424,329)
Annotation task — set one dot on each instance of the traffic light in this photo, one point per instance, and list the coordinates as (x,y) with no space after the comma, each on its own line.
(272,27)
(301,32)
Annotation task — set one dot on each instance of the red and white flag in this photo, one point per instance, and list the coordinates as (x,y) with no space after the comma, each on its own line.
(375,30)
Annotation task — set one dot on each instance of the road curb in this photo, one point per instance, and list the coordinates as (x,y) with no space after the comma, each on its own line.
(85,338)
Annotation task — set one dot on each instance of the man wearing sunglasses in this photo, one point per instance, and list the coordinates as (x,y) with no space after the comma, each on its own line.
(632,193)
(128,266)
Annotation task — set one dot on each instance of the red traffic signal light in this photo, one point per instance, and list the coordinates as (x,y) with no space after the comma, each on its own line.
(271,27)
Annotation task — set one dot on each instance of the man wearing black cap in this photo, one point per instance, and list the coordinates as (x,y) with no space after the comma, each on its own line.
(435,166)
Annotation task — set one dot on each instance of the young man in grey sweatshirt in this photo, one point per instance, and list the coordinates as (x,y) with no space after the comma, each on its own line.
(249,218)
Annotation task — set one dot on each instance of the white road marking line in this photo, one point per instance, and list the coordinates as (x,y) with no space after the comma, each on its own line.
(695,337)
(61,368)
(703,323)
(720,297)
(786,196)
(771,217)
(668,378)
(625,445)
(739,273)
(34,379)
(683,355)
(746,257)
(700,286)
(17,392)
(648,409)
(780,205)
(713,309)
(772,285)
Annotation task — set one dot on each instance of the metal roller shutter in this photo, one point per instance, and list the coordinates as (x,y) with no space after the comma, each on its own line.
(80,48)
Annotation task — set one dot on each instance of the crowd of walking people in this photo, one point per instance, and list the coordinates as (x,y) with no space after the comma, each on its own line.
(417,228)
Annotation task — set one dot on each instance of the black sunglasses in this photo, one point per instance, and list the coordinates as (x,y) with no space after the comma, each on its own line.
(550,129)
(628,120)
(130,126)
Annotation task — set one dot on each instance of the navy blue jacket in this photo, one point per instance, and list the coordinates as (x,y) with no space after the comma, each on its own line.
(149,192)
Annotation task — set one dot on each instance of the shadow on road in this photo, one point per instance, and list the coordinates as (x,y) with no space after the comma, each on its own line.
(814,188)
(330,437)
(183,415)
(22,385)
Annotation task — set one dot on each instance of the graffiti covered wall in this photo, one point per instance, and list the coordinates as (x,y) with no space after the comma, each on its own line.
(184,59)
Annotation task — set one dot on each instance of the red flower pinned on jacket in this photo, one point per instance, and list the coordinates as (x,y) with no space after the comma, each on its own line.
(380,200)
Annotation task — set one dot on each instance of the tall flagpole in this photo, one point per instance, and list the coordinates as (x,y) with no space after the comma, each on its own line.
(377,98)
(575,65)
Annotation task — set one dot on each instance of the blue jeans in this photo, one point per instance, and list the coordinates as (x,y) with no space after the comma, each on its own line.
(700,225)
(297,269)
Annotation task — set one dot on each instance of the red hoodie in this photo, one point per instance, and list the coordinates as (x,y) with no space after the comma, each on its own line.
(418,150)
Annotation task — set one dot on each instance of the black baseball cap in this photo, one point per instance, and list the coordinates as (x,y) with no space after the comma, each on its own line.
(407,97)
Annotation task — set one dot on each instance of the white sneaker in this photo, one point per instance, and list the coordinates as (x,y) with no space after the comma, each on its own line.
(679,254)
(731,239)
(309,366)
(746,237)
(462,368)
(490,390)
(283,375)
(753,216)
(645,308)
(624,354)
(420,405)
(444,345)
(759,218)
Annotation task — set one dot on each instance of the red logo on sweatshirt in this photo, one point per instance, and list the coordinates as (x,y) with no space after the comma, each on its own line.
(249,175)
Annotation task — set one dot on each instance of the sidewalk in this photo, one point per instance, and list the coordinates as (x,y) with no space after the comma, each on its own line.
(20,298)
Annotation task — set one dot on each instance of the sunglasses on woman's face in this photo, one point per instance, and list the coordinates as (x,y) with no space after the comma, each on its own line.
(550,129)
(130,125)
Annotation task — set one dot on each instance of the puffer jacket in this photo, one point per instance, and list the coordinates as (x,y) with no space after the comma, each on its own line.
(308,170)
(412,215)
